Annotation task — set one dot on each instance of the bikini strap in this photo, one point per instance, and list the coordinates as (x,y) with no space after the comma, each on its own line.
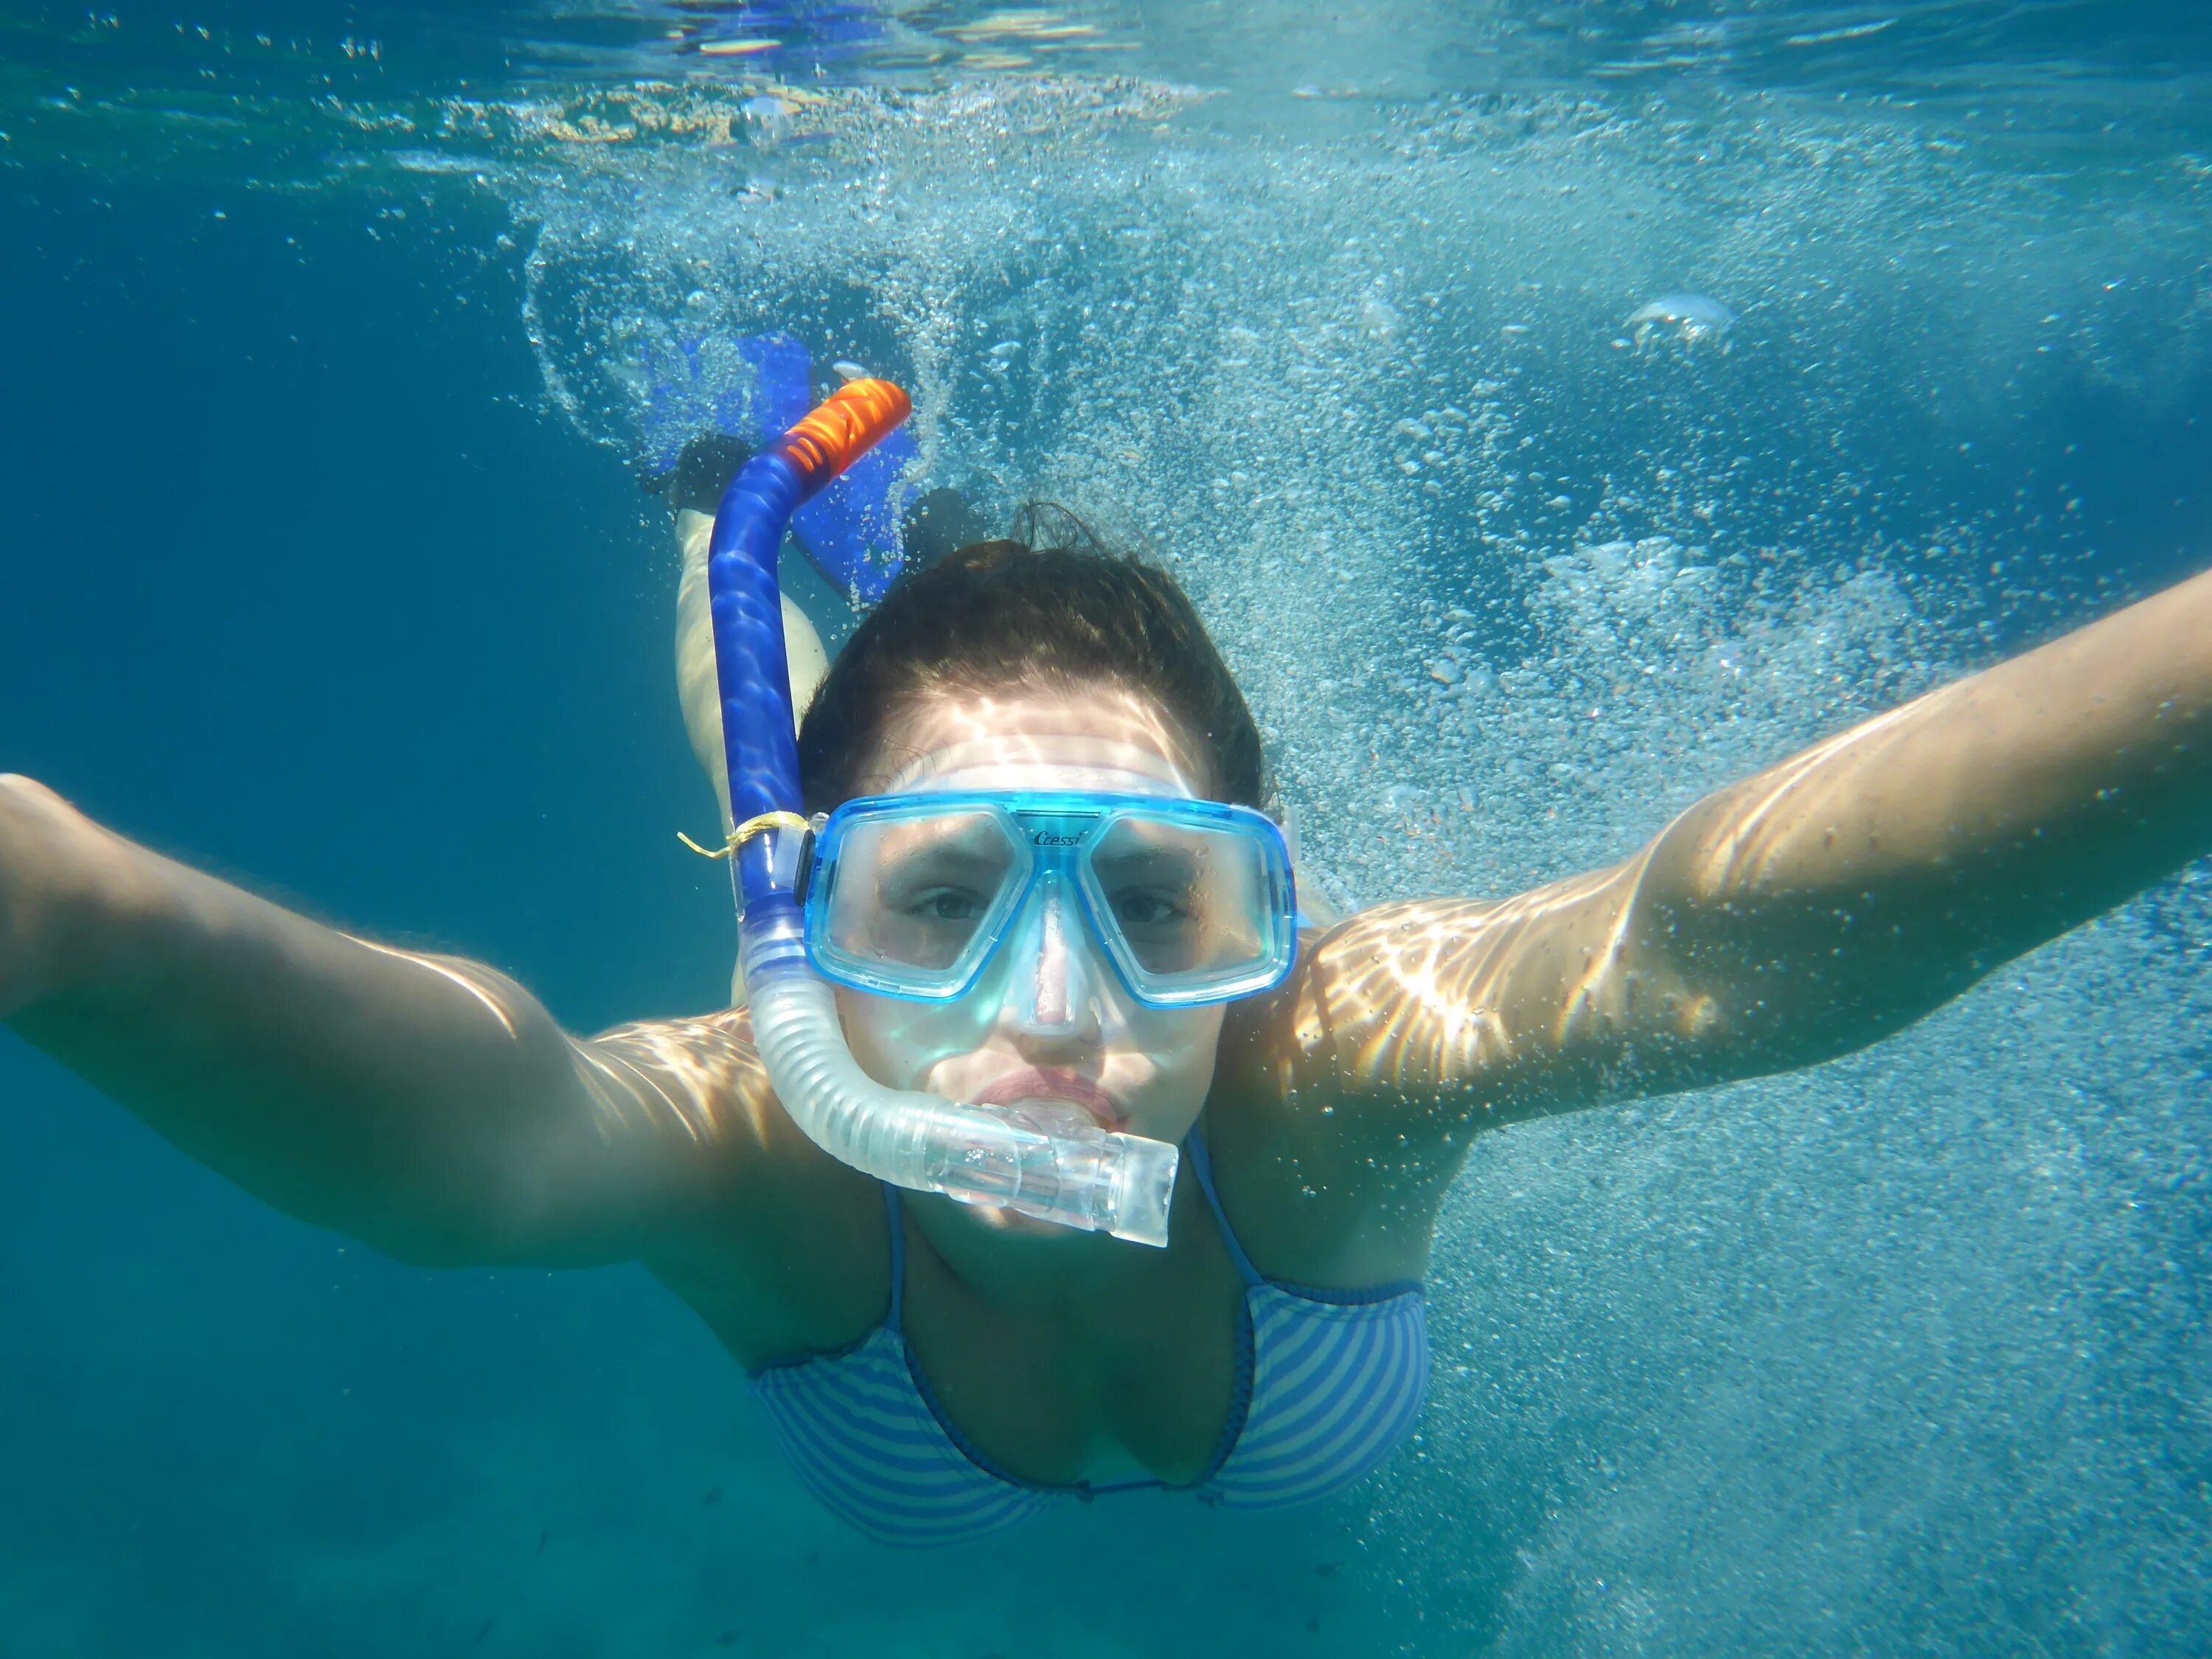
(893,1321)
(1202,1166)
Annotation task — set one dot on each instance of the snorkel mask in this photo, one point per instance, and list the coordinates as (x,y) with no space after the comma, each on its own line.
(913,896)
(1047,1164)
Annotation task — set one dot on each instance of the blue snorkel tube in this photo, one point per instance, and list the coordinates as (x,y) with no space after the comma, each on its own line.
(1054,1164)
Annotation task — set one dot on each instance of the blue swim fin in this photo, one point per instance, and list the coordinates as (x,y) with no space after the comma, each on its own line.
(695,386)
(854,530)
(753,388)
(782,385)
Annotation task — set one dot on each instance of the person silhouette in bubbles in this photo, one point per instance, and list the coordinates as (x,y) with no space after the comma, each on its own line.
(935,1371)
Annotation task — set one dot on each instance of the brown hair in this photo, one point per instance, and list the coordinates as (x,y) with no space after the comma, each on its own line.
(1050,605)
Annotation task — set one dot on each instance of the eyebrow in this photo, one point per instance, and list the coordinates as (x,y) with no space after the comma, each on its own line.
(940,858)
(1138,857)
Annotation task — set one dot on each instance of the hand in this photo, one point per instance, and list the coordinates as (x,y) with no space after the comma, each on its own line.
(43,843)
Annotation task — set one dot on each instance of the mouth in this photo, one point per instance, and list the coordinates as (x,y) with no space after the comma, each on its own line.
(1064,1088)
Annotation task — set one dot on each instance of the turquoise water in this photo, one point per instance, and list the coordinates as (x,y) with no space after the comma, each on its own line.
(329,332)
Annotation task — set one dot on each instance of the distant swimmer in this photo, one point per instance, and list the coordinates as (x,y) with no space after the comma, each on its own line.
(1057,1143)
(1690,319)
(768,120)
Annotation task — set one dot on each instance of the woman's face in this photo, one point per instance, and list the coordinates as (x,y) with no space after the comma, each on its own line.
(1048,1022)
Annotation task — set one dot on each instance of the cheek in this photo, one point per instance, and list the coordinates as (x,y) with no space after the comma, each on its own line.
(897,1042)
(1178,1047)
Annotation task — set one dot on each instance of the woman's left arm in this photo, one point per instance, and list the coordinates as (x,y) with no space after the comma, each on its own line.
(1807,911)
(1803,912)
(1827,902)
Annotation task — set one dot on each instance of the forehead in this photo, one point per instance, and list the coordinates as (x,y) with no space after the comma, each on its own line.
(1098,736)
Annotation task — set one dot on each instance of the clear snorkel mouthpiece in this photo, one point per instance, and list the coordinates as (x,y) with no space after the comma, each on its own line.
(1058,1168)
(1052,1165)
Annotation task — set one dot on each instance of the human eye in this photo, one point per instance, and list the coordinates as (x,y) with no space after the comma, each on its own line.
(1151,907)
(946,904)
(940,886)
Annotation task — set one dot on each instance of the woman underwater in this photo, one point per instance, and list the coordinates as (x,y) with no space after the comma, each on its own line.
(1043,888)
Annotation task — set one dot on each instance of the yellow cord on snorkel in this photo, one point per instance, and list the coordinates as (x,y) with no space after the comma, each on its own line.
(745,831)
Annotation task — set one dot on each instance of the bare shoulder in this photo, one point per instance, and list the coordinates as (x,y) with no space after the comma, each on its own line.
(1345,1102)
(1477,999)
(781,1249)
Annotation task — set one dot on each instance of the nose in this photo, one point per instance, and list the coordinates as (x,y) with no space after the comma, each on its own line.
(1054,992)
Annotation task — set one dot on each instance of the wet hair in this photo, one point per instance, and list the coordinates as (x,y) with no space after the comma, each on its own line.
(1046,606)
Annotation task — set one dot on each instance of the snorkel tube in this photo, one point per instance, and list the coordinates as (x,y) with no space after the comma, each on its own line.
(1056,1166)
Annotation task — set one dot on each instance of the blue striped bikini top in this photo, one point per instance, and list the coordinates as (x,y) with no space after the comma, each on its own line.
(1327,1383)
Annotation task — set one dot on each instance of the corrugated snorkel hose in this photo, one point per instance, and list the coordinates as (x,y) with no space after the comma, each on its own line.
(1060,1167)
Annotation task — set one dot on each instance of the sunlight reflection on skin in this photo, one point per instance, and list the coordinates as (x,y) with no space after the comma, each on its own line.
(699,1080)
(456,972)
(1415,999)
(995,740)
(680,1076)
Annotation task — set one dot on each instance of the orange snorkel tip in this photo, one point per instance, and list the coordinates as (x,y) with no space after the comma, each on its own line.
(843,428)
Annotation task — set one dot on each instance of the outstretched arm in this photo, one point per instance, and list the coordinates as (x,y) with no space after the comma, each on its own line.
(426,1105)
(1805,912)
(1849,891)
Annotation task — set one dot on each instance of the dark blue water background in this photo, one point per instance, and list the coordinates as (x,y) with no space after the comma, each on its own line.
(302,579)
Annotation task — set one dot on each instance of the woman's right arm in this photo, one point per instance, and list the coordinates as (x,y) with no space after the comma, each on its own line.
(427,1106)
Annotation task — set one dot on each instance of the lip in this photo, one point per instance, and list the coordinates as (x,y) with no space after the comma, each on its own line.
(1034,1084)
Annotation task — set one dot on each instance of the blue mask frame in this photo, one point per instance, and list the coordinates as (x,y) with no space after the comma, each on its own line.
(1050,837)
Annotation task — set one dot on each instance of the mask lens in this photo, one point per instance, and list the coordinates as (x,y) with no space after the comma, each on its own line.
(1189,901)
(920,893)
